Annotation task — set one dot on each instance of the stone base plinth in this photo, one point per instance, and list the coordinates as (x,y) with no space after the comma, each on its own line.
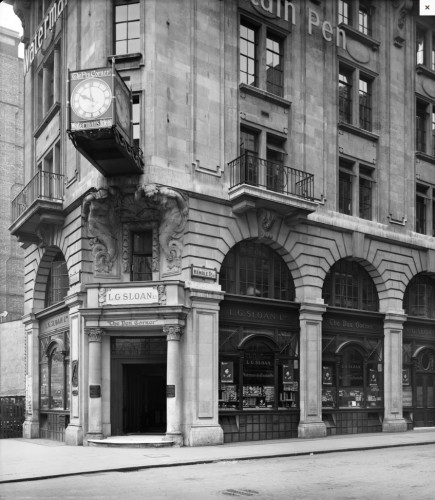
(206,436)
(30,429)
(74,435)
(309,430)
(175,437)
(394,425)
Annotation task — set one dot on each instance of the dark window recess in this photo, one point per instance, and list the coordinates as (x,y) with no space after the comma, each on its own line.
(345,193)
(419,298)
(57,281)
(349,285)
(142,256)
(254,269)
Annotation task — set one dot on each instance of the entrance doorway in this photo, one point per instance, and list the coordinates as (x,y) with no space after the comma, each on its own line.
(144,398)
(424,414)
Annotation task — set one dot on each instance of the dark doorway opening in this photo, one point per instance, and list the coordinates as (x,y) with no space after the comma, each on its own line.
(144,398)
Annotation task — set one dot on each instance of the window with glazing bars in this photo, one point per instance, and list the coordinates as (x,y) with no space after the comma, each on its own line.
(248,54)
(365,198)
(142,256)
(420,209)
(345,193)
(249,165)
(127,27)
(349,285)
(365,104)
(420,127)
(274,65)
(419,298)
(364,18)
(136,119)
(345,96)
(57,282)
(254,269)
(344,12)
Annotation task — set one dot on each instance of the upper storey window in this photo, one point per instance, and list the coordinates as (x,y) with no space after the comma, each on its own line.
(356,13)
(355,98)
(425,47)
(425,127)
(261,58)
(57,282)
(127,27)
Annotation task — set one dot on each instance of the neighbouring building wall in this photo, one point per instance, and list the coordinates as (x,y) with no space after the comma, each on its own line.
(12,357)
(11,172)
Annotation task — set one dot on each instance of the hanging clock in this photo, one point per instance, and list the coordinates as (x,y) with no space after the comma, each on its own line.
(91,98)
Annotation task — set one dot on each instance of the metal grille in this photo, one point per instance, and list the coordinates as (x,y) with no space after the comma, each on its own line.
(11,417)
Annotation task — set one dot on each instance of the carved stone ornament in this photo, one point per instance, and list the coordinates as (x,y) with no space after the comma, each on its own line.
(127,228)
(403,7)
(173,332)
(100,215)
(173,210)
(161,290)
(266,220)
(95,334)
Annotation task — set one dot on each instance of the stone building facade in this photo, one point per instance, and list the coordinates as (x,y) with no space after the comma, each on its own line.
(244,250)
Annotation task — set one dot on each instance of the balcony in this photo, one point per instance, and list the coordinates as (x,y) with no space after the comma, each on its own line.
(40,202)
(259,183)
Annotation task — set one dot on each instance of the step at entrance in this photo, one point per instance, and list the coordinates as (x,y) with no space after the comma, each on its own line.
(133,441)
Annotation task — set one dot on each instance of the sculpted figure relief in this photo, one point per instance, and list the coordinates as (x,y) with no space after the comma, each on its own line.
(173,211)
(100,217)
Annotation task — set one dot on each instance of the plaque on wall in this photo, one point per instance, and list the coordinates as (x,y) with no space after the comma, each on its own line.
(227,371)
(170,391)
(95,391)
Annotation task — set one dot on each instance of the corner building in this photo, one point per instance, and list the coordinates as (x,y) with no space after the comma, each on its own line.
(228,218)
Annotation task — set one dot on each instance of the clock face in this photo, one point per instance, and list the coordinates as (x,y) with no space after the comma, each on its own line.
(91,98)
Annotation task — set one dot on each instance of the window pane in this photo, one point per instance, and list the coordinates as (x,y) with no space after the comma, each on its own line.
(134,29)
(57,380)
(120,13)
(133,11)
(121,47)
(133,46)
(121,31)
(44,386)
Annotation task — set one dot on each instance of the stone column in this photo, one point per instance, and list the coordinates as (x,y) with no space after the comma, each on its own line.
(393,330)
(173,388)
(310,318)
(95,419)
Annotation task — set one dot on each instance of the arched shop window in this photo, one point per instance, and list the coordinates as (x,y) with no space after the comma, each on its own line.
(54,393)
(349,285)
(254,269)
(419,298)
(259,373)
(353,379)
(57,281)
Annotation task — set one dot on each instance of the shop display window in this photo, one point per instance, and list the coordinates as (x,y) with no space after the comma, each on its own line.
(352,380)
(258,377)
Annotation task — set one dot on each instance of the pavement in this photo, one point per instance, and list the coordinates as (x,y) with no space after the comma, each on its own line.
(35,459)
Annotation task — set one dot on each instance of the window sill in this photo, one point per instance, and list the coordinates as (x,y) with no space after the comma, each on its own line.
(263,94)
(425,157)
(421,69)
(358,131)
(360,37)
(131,61)
(47,119)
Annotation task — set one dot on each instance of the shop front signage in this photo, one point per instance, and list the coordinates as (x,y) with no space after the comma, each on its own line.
(48,325)
(260,315)
(131,296)
(352,324)
(276,9)
(41,33)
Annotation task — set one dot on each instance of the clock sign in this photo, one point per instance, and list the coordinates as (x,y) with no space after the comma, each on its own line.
(91,98)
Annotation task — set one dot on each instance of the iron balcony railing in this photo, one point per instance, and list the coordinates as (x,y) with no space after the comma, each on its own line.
(44,185)
(249,169)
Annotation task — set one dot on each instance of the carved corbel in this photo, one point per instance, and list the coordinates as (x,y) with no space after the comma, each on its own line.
(173,212)
(100,216)
(266,220)
(403,7)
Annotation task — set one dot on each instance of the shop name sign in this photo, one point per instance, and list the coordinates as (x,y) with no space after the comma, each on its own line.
(287,11)
(53,323)
(137,295)
(47,24)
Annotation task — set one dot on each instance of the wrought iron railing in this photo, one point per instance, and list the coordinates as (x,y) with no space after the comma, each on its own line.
(249,169)
(44,185)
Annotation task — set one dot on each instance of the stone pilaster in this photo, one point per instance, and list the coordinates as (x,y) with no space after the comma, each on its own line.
(393,331)
(174,390)
(95,423)
(310,318)
(31,423)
